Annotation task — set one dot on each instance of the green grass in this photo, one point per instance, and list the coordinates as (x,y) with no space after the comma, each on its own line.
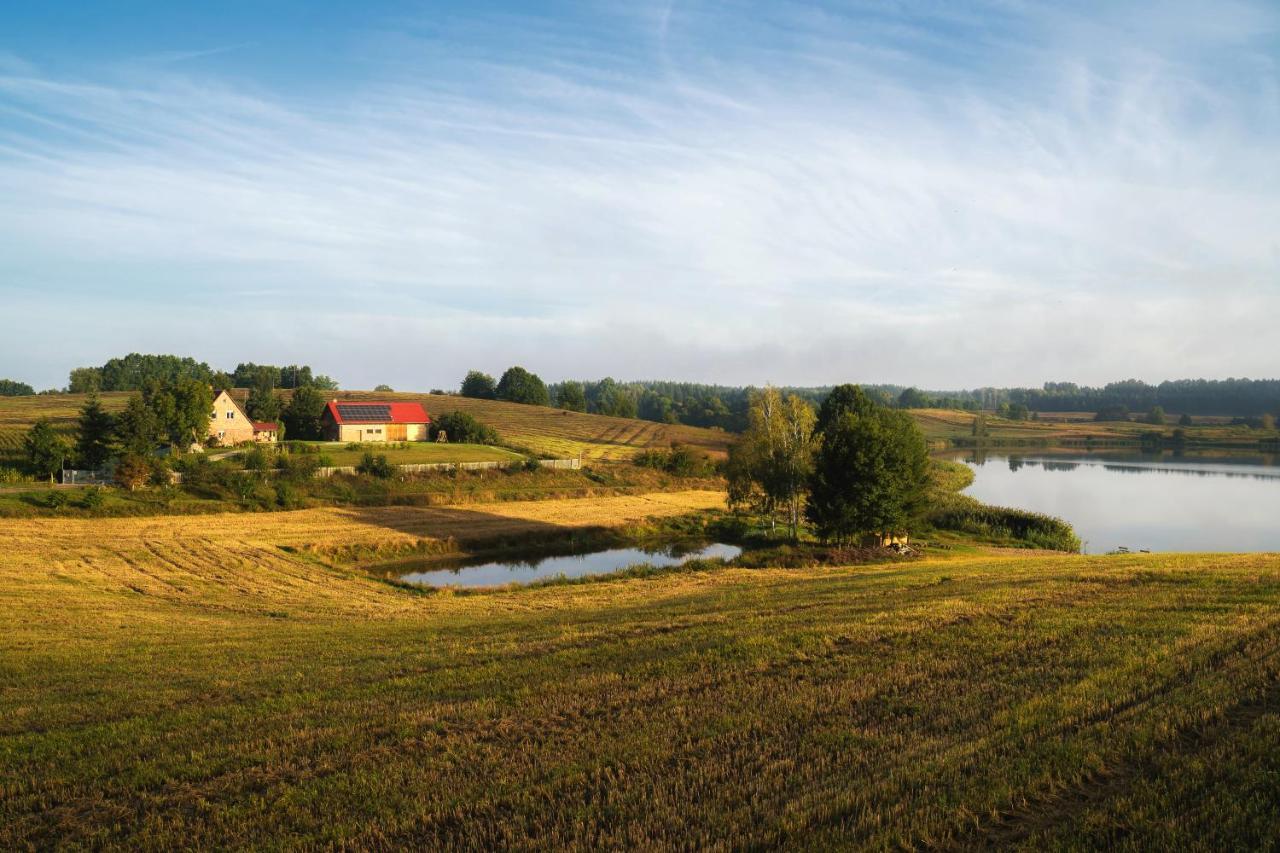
(417,453)
(166,691)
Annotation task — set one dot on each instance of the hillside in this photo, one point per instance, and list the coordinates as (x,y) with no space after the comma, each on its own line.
(540,429)
(191,683)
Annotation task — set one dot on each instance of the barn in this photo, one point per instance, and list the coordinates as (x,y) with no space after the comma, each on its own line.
(366,421)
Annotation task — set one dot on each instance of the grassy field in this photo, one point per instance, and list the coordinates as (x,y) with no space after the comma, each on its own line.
(552,432)
(206,682)
(945,426)
(416,453)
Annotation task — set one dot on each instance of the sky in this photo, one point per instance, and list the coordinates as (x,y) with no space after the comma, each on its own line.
(940,194)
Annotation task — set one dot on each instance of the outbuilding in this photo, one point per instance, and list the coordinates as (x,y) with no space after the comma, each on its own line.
(366,421)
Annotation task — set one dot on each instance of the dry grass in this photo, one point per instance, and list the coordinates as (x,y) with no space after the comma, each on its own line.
(177,683)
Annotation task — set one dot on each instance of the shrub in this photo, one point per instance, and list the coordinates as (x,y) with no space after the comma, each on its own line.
(133,472)
(966,515)
(298,467)
(680,461)
(56,499)
(462,428)
(92,499)
(376,466)
(286,495)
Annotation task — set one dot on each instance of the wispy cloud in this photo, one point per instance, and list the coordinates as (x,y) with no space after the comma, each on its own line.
(798,194)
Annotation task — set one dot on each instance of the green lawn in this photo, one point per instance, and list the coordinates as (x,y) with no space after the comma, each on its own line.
(201,692)
(417,453)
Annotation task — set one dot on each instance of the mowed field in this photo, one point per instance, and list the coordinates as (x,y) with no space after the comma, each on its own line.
(190,683)
(539,429)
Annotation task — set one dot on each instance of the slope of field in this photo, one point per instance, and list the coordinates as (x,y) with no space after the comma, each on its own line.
(540,429)
(945,425)
(176,684)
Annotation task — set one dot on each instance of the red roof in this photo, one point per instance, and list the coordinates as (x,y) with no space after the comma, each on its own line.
(377,412)
(265,426)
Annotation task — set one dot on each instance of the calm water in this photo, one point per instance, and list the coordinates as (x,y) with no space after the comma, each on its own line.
(1158,502)
(499,572)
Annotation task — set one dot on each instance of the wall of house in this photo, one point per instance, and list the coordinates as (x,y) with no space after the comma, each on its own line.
(366,433)
(228,423)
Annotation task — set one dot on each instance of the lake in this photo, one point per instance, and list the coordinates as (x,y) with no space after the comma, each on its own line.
(523,570)
(1151,501)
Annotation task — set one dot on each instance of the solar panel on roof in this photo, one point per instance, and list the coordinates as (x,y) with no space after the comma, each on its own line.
(364,412)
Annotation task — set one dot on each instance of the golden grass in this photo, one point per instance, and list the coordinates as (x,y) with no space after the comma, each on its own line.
(186,682)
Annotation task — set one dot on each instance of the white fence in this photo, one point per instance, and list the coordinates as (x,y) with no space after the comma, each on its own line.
(82,477)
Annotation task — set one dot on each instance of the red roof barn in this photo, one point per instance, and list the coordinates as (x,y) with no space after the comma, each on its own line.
(371,420)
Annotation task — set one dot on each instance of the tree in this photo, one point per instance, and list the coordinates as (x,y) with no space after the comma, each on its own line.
(95,435)
(1155,416)
(137,428)
(913,398)
(11,388)
(181,410)
(45,450)
(302,416)
(979,429)
(263,404)
(384,388)
(462,428)
(769,466)
(1113,412)
(869,475)
(572,396)
(1185,421)
(843,400)
(479,385)
(518,385)
(133,471)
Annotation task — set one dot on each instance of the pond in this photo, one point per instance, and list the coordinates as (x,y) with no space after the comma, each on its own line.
(474,573)
(1141,501)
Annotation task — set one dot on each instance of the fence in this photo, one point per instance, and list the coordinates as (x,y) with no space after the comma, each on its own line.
(84,477)
(428,467)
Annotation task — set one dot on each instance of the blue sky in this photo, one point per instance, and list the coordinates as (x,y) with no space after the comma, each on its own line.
(941,194)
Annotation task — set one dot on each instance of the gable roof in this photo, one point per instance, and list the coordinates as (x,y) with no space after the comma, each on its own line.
(376,412)
(233,401)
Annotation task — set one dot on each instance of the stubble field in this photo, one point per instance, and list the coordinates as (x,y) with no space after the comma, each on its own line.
(189,682)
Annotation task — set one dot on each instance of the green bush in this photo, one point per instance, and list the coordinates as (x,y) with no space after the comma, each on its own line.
(56,499)
(462,428)
(680,461)
(376,466)
(92,499)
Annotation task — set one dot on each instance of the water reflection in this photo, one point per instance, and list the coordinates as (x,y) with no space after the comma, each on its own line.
(522,569)
(1159,501)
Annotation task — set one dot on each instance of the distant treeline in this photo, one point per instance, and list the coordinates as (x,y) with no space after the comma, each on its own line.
(136,371)
(726,406)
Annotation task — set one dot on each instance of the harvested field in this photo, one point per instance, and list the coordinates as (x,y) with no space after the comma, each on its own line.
(179,683)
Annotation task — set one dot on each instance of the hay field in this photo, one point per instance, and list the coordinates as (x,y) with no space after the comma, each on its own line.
(537,428)
(175,683)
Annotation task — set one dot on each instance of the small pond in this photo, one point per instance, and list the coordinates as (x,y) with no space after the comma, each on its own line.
(474,573)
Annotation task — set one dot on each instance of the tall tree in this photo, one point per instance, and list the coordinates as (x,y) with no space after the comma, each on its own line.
(571,396)
(45,450)
(95,434)
(181,410)
(263,404)
(137,428)
(479,386)
(302,416)
(518,385)
(770,464)
(869,475)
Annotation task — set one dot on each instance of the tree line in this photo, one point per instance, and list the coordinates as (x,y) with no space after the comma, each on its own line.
(135,371)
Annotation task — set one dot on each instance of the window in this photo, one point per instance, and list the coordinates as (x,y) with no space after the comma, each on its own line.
(213,415)
(230,415)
